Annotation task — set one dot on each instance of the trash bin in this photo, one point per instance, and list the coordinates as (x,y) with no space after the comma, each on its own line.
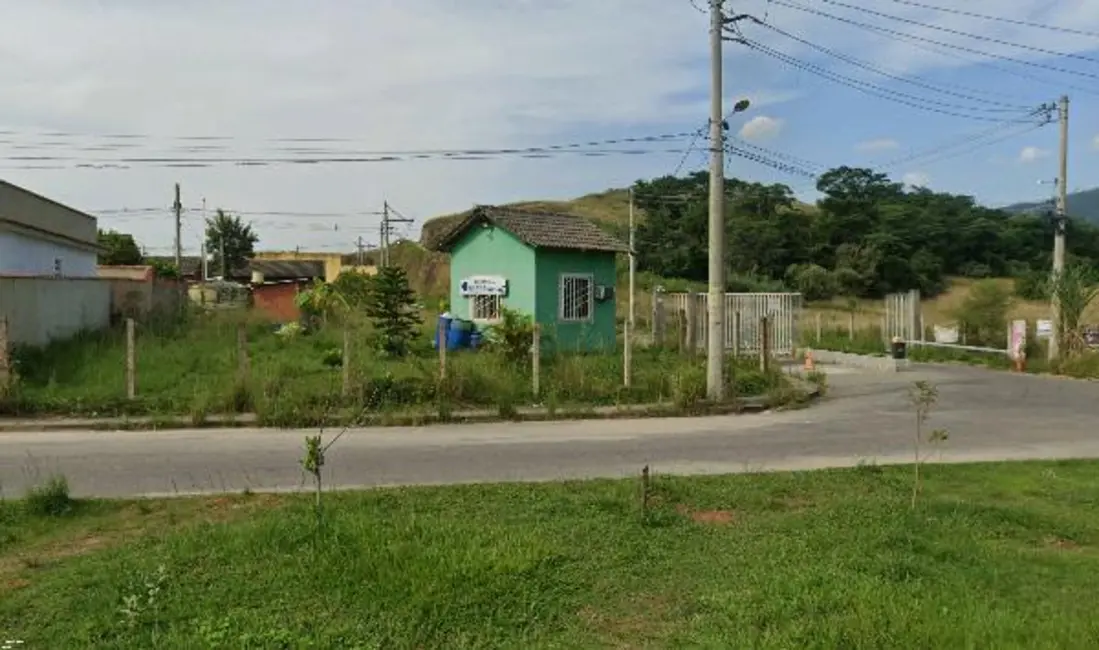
(899,348)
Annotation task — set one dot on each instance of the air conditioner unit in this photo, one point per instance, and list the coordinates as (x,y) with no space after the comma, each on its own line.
(603,292)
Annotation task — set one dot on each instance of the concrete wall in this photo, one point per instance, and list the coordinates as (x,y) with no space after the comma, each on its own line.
(24,254)
(39,310)
(493,251)
(138,298)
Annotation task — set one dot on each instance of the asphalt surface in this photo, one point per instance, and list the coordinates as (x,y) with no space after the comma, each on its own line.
(864,418)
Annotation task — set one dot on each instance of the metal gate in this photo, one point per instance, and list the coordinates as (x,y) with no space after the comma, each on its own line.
(783,309)
(902,316)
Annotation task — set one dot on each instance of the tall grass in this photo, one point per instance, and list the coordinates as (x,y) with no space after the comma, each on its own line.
(192,368)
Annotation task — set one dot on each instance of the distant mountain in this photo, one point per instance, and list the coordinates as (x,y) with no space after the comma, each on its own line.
(1081,205)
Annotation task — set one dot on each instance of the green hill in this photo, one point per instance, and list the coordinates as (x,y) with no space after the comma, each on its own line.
(1081,205)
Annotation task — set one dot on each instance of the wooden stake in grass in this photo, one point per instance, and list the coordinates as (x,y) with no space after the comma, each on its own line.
(736,334)
(443,336)
(627,353)
(820,328)
(5,357)
(131,360)
(646,490)
(346,363)
(536,358)
(242,353)
(764,344)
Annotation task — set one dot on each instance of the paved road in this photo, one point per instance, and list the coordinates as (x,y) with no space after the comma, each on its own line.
(990,415)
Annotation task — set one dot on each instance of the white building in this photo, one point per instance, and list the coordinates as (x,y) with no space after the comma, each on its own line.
(40,237)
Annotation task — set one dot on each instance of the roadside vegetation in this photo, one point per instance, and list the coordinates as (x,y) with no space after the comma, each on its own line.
(991,555)
(293,375)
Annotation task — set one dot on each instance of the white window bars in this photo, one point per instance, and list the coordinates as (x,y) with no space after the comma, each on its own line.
(576,297)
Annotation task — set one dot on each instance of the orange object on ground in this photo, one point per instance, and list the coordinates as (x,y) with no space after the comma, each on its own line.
(809,367)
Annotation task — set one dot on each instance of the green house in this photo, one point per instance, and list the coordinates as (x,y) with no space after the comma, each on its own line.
(557,267)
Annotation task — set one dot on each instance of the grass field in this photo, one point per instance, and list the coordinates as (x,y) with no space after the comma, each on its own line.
(192,369)
(993,556)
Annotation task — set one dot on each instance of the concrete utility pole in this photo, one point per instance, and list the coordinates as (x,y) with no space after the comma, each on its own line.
(359,247)
(633,266)
(715,348)
(387,223)
(178,208)
(1059,222)
(224,264)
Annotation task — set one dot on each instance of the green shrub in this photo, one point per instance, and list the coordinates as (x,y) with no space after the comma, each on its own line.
(50,499)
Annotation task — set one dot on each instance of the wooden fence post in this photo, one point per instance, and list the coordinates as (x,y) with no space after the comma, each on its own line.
(444,336)
(690,318)
(346,363)
(851,326)
(764,344)
(536,358)
(5,357)
(242,353)
(736,334)
(627,353)
(658,319)
(131,360)
(820,328)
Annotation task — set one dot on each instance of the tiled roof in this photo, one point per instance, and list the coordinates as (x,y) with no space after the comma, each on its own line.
(288,269)
(539,229)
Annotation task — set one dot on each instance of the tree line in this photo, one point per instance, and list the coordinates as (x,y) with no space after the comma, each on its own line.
(868,236)
(224,232)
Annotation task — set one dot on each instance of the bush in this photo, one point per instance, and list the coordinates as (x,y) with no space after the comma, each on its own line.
(983,314)
(1032,285)
(512,336)
(50,499)
(814,282)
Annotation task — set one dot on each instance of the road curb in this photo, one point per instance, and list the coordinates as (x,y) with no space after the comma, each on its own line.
(806,392)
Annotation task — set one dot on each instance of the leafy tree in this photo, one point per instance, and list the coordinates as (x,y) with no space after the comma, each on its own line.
(164,269)
(870,233)
(118,248)
(392,308)
(1075,288)
(983,314)
(228,232)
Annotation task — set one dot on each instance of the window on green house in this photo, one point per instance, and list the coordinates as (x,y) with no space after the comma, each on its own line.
(484,307)
(575,297)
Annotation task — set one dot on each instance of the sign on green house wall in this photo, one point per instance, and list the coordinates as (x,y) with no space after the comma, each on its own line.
(483,285)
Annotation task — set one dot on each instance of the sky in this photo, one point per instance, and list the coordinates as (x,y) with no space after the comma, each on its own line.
(191,80)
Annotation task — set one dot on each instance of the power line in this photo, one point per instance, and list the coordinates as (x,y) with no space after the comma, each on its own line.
(895,33)
(980,139)
(915,81)
(873,89)
(1001,19)
(958,32)
(33,162)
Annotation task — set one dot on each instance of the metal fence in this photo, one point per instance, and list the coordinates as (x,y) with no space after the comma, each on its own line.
(783,309)
(902,316)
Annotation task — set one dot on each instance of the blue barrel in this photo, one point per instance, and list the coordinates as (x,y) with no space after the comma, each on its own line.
(442,329)
(455,339)
(475,339)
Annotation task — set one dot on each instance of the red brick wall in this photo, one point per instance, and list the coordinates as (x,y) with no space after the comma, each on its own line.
(277,300)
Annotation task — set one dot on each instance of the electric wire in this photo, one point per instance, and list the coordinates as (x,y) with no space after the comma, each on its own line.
(913,101)
(894,33)
(915,81)
(958,32)
(1001,19)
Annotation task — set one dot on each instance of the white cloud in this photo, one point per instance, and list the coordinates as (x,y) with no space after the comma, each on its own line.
(916,179)
(761,127)
(1095,142)
(1032,154)
(417,74)
(880,144)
